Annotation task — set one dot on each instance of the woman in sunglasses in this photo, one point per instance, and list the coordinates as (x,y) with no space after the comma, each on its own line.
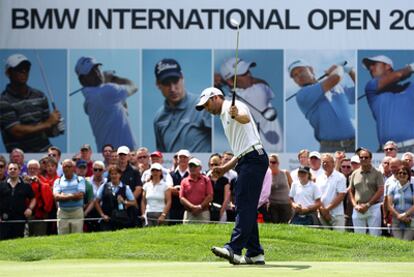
(156,197)
(401,204)
(221,191)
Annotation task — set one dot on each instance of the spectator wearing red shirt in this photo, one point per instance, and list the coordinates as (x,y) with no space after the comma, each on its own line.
(196,193)
(44,199)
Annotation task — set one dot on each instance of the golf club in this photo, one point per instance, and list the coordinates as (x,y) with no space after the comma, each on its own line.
(235,23)
(43,73)
(60,127)
(80,89)
(269,113)
(320,78)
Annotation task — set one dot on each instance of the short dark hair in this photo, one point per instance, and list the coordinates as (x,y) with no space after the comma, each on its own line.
(114,168)
(107,145)
(57,149)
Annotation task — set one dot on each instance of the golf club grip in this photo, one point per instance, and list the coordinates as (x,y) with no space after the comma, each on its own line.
(326,74)
(233,101)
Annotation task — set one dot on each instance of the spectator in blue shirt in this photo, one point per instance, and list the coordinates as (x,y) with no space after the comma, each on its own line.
(401,205)
(69,191)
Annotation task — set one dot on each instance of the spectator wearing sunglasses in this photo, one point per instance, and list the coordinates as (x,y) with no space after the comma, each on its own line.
(367,188)
(221,191)
(177,125)
(401,205)
(279,203)
(346,169)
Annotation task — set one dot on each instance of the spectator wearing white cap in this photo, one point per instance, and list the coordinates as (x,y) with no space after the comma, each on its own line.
(391,101)
(26,121)
(130,177)
(315,164)
(157,157)
(156,197)
(176,124)
(181,172)
(257,94)
(355,162)
(326,104)
(196,193)
(105,95)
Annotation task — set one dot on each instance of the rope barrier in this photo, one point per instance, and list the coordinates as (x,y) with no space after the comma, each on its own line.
(388,228)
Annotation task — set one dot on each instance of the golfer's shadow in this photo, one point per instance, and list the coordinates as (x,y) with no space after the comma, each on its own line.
(293,267)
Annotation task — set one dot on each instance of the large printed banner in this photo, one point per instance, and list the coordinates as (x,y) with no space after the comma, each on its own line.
(130,72)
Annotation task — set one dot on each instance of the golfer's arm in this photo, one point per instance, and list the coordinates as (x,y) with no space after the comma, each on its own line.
(230,164)
(393,77)
(242,118)
(131,87)
(22,130)
(330,82)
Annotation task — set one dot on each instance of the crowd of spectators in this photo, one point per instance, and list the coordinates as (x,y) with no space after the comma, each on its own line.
(132,188)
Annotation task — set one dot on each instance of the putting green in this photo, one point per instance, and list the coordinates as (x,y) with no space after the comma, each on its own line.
(173,269)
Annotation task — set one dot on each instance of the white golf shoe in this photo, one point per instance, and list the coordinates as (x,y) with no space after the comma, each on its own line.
(227,254)
(256,260)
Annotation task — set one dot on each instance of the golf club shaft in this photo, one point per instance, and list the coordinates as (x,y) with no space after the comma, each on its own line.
(43,73)
(74,92)
(235,68)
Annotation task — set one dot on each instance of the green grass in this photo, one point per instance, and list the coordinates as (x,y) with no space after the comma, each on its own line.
(193,242)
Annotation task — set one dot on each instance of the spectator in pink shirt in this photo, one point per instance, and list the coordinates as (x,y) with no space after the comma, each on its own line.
(196,193)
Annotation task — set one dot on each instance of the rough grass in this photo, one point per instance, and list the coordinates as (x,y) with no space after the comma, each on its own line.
(193,242)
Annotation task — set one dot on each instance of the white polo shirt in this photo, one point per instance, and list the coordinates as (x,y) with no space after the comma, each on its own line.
(330,187)
(240,136)
(304,195)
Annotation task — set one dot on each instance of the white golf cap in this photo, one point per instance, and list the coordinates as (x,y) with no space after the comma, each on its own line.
(380,58)
(184,152)
(228,67)
(315,154)
(156,166)
(85,64)
(207,94)
(195,162)
(123,150)
(355,159)
(297,63)
(16,59)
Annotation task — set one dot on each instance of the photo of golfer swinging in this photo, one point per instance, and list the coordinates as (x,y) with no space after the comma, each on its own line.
(31,81)
(320,98)
(386,99)
(105,95)
(259,85)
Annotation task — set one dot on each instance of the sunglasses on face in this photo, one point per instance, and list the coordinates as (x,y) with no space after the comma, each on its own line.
(363,157)
(346,166)
(402,173)
(389,149)
(273,162)
(98,169)
(142,157)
